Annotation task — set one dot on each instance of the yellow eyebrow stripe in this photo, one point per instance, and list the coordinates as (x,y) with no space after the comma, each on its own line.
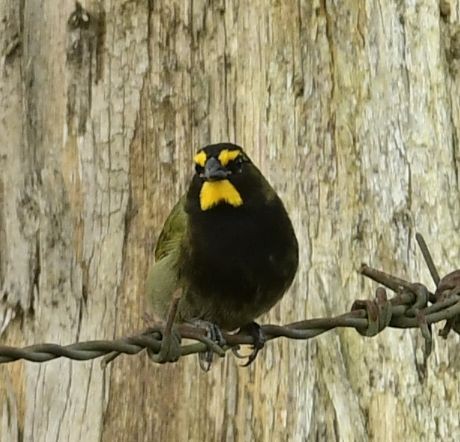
(226,156)
(200,158)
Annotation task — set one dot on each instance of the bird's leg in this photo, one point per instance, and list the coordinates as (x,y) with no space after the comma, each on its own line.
(170,350)
(214,333)
(254,330)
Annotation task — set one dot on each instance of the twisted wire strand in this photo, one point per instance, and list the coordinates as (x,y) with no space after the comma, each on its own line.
(409,308)
(359,318)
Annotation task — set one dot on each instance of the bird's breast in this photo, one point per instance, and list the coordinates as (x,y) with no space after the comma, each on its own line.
(240,256)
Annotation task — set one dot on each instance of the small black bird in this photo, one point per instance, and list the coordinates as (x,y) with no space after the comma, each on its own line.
(228,244)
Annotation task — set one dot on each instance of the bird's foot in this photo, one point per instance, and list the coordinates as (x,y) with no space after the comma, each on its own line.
(170,350)
(255,331)
(214,334)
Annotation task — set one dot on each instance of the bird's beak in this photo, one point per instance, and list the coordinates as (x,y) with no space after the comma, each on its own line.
(214,171)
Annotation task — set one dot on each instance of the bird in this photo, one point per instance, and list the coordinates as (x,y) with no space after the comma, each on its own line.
(228,245)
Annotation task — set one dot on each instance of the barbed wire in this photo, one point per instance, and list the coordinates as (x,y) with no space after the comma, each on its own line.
(413,306)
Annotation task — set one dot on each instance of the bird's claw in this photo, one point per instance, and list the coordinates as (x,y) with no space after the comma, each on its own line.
(236,352)
(213,333)
(255,331)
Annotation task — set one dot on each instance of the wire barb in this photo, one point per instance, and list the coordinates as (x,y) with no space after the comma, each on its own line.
(413,306)
(428,259)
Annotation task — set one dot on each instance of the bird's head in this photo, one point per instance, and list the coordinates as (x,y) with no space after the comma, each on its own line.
(224,175)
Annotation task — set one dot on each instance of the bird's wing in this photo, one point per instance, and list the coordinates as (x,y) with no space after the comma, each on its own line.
(173,231)
(163,276)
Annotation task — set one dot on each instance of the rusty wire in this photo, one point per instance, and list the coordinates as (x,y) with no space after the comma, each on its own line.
(413,306)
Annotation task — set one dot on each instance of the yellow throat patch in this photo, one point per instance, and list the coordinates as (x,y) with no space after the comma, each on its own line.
(215,192)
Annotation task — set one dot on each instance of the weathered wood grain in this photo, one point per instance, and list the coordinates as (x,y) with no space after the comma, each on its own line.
(352,111)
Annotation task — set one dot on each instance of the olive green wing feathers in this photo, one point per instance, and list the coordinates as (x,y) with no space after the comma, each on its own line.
(163,278)
(173,231)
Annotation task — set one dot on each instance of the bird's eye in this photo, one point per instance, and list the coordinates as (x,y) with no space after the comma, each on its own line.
(199,169)
(236,165)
